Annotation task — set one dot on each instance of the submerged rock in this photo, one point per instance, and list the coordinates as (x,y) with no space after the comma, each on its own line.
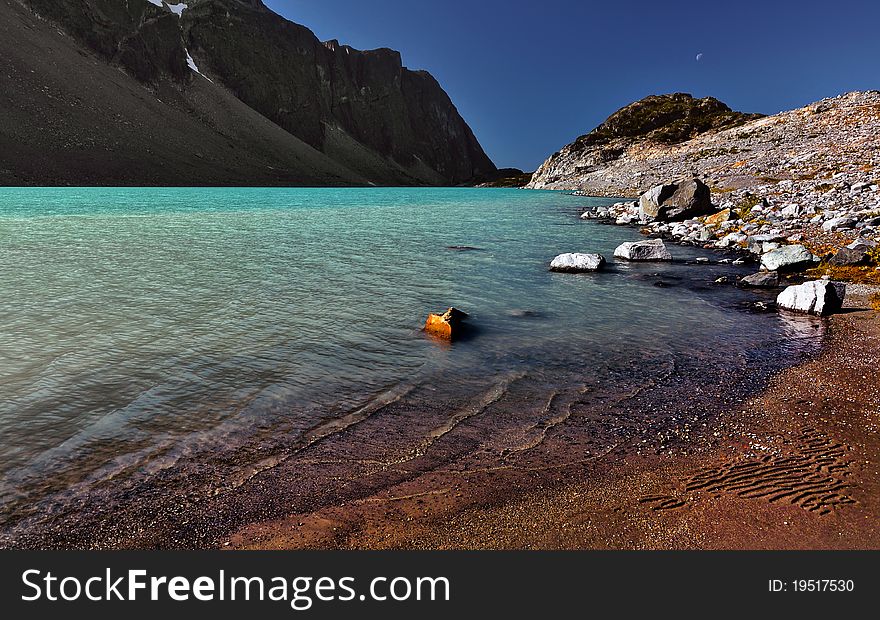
(762,279)
(519,313)
(446,326)
(576,263)
(650,250)
(820,297)
(761,306)
(787,258)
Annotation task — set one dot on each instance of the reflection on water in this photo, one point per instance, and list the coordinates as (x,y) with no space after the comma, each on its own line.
(140,328)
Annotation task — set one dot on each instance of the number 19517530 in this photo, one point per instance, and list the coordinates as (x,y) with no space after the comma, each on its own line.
(812,585)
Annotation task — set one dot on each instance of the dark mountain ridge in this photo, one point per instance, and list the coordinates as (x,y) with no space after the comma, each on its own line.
(352,117)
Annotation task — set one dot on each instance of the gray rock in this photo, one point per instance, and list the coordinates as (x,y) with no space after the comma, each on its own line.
(691,199)
(650,201)
(820,297)
(793,210)
(787,258)
(762,279)
(651,250)
(847,256)
(577,263)
(858,242)
(703,234)
(730,239)
(676,202)
(839,223)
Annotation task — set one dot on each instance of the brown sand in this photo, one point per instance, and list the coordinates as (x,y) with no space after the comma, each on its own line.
(798,468)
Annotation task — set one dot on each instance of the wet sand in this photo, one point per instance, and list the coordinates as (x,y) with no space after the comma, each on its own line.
(796,466)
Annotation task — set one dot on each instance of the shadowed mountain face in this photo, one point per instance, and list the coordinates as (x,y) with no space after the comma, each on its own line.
(336,115)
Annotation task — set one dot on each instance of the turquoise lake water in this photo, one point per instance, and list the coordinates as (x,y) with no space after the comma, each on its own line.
(140,326)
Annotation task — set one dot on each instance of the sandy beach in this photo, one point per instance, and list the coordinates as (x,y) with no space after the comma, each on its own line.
(797,467)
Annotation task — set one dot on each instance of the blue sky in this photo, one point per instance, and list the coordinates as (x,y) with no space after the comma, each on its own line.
(531,76)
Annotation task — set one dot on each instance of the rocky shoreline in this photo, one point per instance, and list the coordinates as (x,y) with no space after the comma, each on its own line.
(797,193)
(833,246)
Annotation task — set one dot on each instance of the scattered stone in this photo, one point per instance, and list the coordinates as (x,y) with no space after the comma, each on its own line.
(651,250)
(862,241)
(793,210)
(719,218)
(577,263)
(819,297)
(730,240)
(851,256)
(787,258)
(840,223)
(446,326)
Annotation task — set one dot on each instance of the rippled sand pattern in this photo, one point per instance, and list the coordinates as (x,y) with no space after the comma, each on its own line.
(811,474)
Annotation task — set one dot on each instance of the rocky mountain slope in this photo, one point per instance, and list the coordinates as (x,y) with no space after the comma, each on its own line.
(648,129)
(213,92)
(826,144)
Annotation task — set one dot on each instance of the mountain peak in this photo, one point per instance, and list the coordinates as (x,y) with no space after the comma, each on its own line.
(667,119)
(356,117)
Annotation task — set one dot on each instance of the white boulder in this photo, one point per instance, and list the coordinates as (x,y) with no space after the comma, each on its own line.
(576,263)
(787,258)
(820,297)
(650,250)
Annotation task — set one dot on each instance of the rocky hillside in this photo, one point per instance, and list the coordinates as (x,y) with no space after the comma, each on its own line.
(213,92)
(790,153)
(652,125)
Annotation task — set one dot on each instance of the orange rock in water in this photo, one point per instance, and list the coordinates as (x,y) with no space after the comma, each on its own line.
(446,325)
